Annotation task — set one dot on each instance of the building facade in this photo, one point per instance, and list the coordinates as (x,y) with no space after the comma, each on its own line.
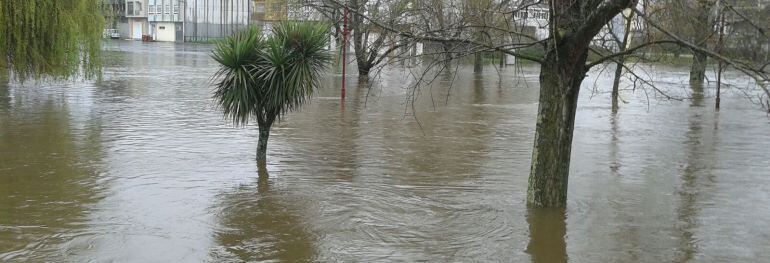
(165,20)
(136,14)
(199,20)
(206,20)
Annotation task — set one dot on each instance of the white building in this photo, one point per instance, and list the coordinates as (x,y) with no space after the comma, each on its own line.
(532,20)
(136,13)
(165,20)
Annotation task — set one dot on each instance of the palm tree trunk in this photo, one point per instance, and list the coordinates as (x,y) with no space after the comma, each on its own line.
(264,134)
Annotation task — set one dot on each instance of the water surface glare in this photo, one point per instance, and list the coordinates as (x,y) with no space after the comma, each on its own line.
(141,167)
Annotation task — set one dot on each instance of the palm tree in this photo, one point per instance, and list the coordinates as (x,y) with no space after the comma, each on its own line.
(265,78)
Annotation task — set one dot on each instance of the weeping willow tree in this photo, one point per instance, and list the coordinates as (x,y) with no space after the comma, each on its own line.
(50,38)
(263,79)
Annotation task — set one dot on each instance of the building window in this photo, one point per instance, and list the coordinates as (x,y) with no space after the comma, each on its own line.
(130,8)
(176,9)
(138,10)
(151,10)
(543,15)
(168,9)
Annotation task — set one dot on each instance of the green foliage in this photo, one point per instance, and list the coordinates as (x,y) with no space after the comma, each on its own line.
(53,38)
(264,78)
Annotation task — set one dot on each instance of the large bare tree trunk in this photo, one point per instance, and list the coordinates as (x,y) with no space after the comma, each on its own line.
(364,68)
(572,25)
(360,46)
(561,74)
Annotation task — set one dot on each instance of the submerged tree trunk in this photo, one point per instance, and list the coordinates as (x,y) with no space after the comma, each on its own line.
(702,31)
(561,74)
(621,61)
(572,26)
(616,85)
(478,63)
(362,56)
(360,39)
(264,135)
(698,70)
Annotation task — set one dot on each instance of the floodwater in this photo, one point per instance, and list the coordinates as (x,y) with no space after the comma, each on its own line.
(141,167)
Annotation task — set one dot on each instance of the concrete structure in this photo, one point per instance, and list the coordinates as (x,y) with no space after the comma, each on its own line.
(136,14)
(165,20)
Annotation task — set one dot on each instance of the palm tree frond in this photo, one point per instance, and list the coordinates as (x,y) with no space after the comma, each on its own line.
(266,78)
(237,91)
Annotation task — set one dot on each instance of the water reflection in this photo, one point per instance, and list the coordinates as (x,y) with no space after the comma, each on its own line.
(5,98)
(365,182)
(696,177)
(547,234)
(615,144)
(258,224)
(115,90)
(361,162)
(697,96)
(49,176)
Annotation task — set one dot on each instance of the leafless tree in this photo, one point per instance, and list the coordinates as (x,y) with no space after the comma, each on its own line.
(566,52)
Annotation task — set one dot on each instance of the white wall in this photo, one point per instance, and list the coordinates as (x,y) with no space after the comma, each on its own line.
(165,31)
(137,27)
(165,10)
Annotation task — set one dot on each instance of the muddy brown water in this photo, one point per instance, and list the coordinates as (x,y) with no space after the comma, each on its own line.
(140,167)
